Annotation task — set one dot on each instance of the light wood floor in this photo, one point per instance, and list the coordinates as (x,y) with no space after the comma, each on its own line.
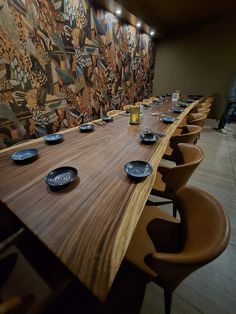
(212,289)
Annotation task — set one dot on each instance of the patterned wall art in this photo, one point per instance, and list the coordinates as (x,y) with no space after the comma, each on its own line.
(65,62)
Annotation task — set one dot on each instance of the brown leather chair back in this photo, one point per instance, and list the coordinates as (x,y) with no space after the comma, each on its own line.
(188,158)
(189,134)
(196,119)
(209,99)
(205,233)
(204,110)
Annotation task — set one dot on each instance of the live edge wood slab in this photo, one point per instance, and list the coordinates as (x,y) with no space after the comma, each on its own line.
(89,224)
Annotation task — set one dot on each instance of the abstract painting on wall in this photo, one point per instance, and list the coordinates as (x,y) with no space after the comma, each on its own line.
(65,62)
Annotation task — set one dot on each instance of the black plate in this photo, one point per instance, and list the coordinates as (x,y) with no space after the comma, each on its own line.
(53,138)
(138,170)
(107,119)
(25,155)
(86,127)
(168,119)
(148,138)
(189,101)
(183,105)
(177,110)
(62,176)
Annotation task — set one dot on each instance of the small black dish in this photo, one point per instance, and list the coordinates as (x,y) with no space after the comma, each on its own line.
(107,119)
(25,155)
(61,177)
(86,127)
(177,110)
(183,105)
(168,119)
(148,138)
(189,100)
(53,138)
(138,170)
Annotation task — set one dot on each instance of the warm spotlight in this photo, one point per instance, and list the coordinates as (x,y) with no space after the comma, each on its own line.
(118,11)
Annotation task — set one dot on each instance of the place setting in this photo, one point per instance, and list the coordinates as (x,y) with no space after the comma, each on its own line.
(53,139)
(61,178)
(24,156)
(138,170)
(86,128)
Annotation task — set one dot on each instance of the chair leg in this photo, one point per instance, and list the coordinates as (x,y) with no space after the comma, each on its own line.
(174,210)
(168,300)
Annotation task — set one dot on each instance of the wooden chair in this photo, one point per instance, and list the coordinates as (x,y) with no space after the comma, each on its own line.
(186,134)
(113,112)
(169,180)
(167,250)
(196,119)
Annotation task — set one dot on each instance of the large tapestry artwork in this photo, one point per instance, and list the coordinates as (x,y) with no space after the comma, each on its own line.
(65,62)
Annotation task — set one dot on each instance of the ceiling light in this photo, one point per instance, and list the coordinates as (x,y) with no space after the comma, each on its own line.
(118,11)
(152,33)
(139,24)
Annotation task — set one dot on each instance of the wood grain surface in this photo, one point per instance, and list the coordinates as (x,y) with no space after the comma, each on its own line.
(89,224)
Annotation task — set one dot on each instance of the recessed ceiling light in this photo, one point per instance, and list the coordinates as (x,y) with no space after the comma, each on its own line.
(139,24)
(118,11)
(152,33)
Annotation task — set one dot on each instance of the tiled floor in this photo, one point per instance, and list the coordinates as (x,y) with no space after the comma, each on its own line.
(212,289)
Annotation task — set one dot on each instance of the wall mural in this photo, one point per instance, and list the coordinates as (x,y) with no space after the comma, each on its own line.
(64,62)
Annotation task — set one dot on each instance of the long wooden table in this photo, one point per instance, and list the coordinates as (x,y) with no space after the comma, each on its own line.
(89,224)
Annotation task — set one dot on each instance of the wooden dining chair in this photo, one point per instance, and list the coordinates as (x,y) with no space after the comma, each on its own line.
(167,250)
(196,119)
(170,179)
(113,112)
(185,134)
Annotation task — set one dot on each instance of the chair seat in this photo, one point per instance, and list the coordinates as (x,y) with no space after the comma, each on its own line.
(141,244)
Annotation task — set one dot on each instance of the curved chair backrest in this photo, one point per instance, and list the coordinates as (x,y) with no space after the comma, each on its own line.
(189,134)
(205,105)
(209,99)
(113,112)
(205,233)
(196,119)
(204,110)
(188,157)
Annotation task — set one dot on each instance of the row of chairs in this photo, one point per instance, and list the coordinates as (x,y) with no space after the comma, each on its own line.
(167,249)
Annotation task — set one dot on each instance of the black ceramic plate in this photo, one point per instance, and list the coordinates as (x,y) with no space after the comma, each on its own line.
(53,138)
(107,119)
(177,110)
(189,101)
(168,119)
(62,176)
(25,155)
(148,138)
(183,105)
(138,170)
(86,127)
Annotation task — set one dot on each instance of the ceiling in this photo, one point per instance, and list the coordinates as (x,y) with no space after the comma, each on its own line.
(173,17)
